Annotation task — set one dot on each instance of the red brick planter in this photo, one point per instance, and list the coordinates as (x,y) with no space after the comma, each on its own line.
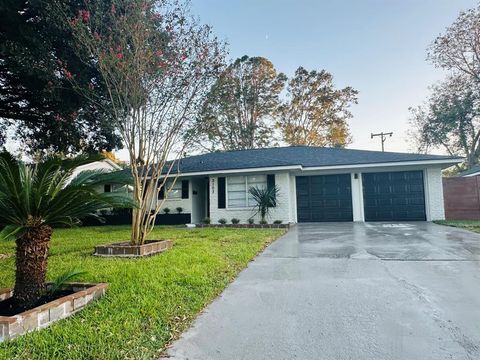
(126,249)
(245,226)
(44,315)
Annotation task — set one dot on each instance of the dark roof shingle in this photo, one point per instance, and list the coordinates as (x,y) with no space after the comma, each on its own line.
(305,156)
(472,170)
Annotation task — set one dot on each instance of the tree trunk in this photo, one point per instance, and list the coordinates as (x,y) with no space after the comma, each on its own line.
(31,266)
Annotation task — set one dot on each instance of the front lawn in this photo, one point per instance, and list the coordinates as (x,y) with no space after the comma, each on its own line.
(472,225)
(149,302)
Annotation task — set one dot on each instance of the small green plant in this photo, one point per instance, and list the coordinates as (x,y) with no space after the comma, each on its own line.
(166,210)
(265,199)
(251,221)
(60,281)
(235,221)
(207,220)
(277,222)
(222,221)
(263,222)
(179,209)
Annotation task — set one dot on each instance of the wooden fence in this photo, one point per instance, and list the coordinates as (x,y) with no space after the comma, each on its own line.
(462,198)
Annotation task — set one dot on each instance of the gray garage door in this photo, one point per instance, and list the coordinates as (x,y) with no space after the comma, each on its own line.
(324,198)
(394,196)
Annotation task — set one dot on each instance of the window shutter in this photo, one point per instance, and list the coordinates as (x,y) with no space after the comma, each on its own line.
(270,181)
(221,193)
(184,189)
(161,193)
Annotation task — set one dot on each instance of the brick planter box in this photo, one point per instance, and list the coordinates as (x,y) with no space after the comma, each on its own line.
(125,249)
(245,226)
(43,315)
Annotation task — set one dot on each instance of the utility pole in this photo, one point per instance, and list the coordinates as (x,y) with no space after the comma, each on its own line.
(383,137)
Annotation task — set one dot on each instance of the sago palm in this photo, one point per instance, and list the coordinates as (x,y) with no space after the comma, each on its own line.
(265,199)
(36,198)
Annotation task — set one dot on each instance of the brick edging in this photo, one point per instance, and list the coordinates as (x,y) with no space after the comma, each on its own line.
(44,315)
(124,249)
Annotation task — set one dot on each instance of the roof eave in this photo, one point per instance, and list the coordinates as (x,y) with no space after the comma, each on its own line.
(235,171)
(443,162)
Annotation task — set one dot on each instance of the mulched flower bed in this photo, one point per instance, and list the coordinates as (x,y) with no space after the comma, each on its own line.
(245,226)
(9,308)
(74,297)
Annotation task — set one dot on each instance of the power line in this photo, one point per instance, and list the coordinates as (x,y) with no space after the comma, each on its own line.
(383,137)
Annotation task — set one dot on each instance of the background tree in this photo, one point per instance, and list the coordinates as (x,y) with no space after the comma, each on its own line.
(315,112)
(36,97)
(240,107)
(157,63)
(459,48)
(450,119)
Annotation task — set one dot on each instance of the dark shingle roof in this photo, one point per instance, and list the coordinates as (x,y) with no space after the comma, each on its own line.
(472,170)
(305,156)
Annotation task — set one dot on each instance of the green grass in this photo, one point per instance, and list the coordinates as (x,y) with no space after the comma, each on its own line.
(472,225)
(149,302)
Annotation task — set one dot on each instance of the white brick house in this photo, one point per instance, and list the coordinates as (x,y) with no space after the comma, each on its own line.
(315,184)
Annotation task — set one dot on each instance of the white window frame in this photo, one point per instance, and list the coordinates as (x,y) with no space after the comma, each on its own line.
(176,186)
(247,205)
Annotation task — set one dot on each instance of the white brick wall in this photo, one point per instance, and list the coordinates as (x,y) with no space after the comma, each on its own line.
(286,209)
(172,204)
(434,194)
(281,212)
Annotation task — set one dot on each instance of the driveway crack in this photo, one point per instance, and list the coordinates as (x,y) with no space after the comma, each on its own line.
(471,348)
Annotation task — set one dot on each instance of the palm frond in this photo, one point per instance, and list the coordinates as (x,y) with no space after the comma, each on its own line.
(51,194)
(265,198)
(60,281)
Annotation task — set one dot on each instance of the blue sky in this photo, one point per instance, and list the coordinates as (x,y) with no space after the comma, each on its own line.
(376,46)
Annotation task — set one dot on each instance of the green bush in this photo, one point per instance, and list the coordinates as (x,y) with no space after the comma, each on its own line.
(235,221)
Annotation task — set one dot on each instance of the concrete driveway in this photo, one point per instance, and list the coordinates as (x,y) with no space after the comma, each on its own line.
(349,291)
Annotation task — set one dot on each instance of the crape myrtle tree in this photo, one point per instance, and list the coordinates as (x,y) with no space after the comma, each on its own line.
(157,62)
(240,107)
(37,102)
(315,113)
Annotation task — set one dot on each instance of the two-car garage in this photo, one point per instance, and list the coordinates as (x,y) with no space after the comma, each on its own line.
(387,196)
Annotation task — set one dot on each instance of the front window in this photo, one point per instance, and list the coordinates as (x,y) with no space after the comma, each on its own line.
(176,190)
(237,189)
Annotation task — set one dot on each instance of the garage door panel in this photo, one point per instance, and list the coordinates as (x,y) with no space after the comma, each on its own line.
(324,198)
(394,196)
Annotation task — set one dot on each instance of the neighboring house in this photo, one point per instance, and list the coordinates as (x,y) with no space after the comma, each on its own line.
(473,171)
(316,184)
(104,165)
